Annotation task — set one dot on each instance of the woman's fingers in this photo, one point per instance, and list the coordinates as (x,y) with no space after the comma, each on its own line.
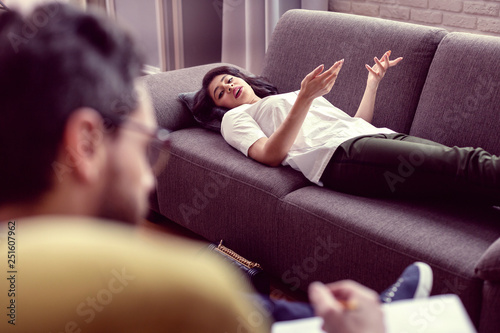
(333,71)
(309,77)
(379,63)
(314,73)
(379,69)
(371,70)
(336,66)
(317,70)
(392,62)
(329,76)
(317,83)
(332,76)
(395,61)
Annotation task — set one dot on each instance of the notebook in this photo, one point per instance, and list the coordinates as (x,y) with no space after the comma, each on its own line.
(436,314)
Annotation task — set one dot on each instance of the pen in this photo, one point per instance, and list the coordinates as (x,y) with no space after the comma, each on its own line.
(349,305)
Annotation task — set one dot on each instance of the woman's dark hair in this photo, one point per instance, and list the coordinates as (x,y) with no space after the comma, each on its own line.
(52,62)
(204,103)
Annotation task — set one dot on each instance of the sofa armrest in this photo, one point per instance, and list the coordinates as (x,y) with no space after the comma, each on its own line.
(488,267)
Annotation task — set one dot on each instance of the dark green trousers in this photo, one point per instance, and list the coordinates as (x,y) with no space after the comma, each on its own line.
(399,165)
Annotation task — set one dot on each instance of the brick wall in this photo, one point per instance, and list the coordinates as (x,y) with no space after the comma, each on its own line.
(480,16)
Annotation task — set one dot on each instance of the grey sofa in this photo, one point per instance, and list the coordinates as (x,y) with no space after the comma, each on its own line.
(446,89)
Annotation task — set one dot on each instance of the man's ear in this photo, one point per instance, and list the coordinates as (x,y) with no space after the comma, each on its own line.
(82,152)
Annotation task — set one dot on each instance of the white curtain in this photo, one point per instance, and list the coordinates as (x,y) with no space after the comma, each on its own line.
(247,26)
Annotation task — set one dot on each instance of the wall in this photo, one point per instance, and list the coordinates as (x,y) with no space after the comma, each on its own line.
(480,16)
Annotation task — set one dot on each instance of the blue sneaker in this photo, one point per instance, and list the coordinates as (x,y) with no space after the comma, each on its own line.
(415,282)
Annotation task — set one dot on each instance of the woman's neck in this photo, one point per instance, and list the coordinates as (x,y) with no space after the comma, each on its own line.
(255,100)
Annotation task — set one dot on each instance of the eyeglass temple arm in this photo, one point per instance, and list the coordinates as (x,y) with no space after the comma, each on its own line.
(3,6)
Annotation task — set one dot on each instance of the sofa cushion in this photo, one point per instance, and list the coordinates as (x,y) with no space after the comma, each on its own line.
(460,102)
(209,120)
(209,151)
(330,236)
(294,51)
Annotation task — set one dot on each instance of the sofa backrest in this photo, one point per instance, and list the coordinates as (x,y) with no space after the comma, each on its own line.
(304,39)
(460,102)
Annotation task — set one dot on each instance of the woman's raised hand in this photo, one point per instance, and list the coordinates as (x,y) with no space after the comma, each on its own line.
(377,72)
(317,84)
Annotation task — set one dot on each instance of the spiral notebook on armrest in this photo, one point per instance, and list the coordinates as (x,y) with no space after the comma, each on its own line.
(436,314)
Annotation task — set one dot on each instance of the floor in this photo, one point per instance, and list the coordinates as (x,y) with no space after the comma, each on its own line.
(160,224)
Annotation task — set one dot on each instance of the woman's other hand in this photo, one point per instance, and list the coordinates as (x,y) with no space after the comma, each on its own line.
(377,72)
(347,307)
(317,84)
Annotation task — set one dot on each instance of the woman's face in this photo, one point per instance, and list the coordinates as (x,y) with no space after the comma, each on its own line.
(231,91)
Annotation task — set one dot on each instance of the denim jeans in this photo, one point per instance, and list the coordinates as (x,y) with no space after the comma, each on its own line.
(281,310)
(399,165)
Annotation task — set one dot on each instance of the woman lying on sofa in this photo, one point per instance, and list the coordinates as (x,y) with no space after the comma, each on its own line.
(302,129)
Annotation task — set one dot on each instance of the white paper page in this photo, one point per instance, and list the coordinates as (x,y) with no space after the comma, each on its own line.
(309,325)
(437,314)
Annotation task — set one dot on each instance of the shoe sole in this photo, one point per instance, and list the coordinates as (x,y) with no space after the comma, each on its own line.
(425,281)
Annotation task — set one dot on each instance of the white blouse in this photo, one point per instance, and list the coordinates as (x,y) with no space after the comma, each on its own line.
(324,129)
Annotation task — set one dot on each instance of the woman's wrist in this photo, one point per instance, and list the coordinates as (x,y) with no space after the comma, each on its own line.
(301,106)
(304,97)
(372,85)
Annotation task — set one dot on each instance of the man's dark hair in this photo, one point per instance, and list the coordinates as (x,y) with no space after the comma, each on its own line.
(52,62)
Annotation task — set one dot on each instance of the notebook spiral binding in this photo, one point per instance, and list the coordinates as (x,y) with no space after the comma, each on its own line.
(252,270)
(236,256)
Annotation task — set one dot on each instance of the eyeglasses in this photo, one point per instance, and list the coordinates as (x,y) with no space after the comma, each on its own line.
(159,146)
